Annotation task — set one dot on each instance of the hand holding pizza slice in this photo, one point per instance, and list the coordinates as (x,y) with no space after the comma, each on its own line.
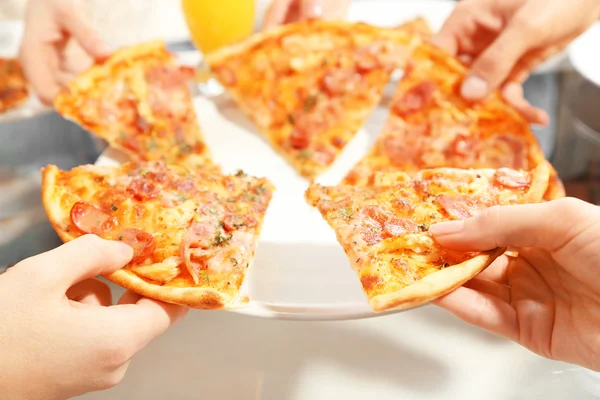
(547,298)
(193,234)
(430,125)
(384,229)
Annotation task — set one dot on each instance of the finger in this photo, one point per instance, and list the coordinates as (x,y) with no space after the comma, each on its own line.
(466,59)
(482,310)
(141,322)
(40,62)
(129,297)
(64,77)
(548,225)
(497,271)
(453,27)
(75,23)
(276,13)
(513,93)
(77,260)
(494,64)
(90,292)
(533,59)
(492,288)
(311,9)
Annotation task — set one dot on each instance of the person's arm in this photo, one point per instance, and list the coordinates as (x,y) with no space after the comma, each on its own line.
(548,298)
(503,41)
(285,11)
(61,335)
(51,26)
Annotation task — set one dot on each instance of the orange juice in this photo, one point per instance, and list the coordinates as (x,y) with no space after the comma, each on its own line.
(217,23)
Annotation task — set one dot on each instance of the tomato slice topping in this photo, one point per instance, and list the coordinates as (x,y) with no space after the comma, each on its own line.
(142,243)
(89,218)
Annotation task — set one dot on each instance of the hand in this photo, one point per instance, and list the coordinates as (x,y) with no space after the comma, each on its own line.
(548,298)
(58,43)
(505,40)
(60,336)
(286,11)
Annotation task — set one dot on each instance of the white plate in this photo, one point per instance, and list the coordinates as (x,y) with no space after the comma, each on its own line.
(584,54)
(300,271)
(394,12)
(10,39)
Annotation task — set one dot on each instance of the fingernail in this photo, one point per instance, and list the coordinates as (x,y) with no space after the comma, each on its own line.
(474,88)
(316,11)
(542,118)
(447,228)
(124,249)
(104,49)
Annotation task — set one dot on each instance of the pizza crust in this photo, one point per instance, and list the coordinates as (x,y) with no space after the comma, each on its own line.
(220,55)
(199,298)
(85,81)
(194,297)
(434,285)
(539,183)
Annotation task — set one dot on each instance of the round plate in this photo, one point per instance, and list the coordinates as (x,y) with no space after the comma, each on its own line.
(300,270)
(10,39)
(584,55)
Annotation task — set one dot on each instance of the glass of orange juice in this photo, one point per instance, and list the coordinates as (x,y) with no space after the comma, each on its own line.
(214,24)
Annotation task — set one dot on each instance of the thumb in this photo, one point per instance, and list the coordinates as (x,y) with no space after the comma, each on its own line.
(495,63)
(74,23)
(276,13)
(311,9)
(546,225)
(77,260)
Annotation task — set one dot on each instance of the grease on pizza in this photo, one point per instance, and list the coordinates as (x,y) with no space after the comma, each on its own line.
(194,234)
(430,125)
(309,86)
(139,101)
(13,85)
(384,228)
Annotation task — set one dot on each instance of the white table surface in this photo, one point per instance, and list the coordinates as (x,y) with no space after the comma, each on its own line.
(423,354)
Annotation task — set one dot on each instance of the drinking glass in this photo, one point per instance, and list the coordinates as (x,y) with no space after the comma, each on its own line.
(212,25)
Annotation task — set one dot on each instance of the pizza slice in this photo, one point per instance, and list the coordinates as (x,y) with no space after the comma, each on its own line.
(139,102)
(309,86)
(430,126)
(13,84)
(384,228)
(194,234)
(418,26)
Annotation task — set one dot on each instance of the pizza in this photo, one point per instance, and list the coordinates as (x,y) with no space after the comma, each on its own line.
(13,85)
(140,103)
(430,125)
(309,86)
(418,26)
(194,233)
(384,228)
